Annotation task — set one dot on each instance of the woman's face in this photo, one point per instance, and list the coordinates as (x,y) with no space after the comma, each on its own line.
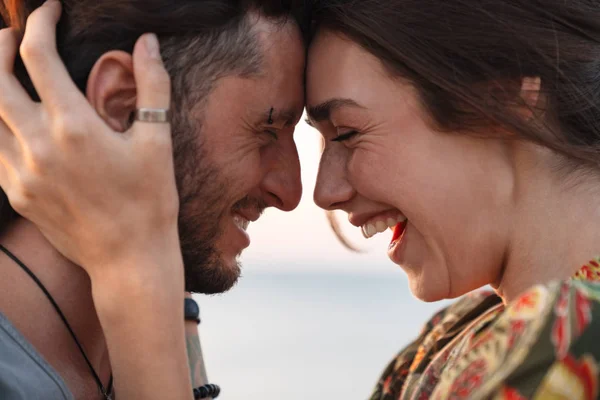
(455,190)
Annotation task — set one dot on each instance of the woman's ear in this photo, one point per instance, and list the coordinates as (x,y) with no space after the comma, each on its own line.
(111,89)
(530,95)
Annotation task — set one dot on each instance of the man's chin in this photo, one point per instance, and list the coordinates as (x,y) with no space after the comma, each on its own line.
(212,278)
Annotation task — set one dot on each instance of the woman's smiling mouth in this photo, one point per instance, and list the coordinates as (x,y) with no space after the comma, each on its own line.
(380,222)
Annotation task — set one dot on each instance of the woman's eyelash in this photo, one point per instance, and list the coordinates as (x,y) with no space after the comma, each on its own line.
(345,136)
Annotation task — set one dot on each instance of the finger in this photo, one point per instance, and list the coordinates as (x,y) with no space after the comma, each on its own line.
(40,56)
(16,106)
(152,82)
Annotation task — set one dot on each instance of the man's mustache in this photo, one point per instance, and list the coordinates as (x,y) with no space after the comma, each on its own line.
(249,203)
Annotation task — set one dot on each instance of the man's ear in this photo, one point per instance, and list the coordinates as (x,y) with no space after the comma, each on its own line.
(111,89)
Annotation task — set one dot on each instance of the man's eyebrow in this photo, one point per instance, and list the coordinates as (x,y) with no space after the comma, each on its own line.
(322,112)
(289,116)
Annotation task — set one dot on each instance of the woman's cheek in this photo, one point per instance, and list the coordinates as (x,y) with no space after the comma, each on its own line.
(364,173)
(354,167)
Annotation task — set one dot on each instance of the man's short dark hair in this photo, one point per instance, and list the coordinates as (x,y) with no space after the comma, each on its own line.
(200,40)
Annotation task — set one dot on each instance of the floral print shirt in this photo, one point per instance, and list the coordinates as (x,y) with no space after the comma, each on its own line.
(543,345)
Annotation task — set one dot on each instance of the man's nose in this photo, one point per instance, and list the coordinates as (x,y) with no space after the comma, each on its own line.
(332,190)
(282,185)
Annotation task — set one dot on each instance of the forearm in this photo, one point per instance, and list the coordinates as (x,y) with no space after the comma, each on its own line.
(142,320)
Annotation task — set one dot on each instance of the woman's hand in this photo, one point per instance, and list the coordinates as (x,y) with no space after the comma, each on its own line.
(106,200)
(96,194)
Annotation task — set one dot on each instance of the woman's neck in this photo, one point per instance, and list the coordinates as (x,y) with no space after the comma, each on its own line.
(556,226)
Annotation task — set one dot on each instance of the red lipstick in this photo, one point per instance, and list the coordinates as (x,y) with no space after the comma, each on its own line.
(398,231)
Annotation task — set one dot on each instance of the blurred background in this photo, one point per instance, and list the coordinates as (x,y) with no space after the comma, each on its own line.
(308,319)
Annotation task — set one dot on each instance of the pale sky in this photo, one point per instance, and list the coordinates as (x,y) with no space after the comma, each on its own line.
(302,239)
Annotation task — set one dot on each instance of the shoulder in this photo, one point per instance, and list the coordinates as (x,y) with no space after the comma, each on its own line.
(24,374)
(544,345)
(464,309)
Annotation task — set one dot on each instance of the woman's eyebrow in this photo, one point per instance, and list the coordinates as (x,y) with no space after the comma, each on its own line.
(322,111)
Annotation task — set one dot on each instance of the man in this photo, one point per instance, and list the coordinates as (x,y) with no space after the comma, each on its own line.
(237,74)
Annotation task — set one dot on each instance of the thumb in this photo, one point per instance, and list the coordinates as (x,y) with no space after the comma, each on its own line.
(152,81)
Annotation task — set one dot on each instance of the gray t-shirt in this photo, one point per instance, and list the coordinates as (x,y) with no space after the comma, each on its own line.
(24,374)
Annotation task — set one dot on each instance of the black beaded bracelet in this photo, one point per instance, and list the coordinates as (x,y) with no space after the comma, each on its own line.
(206,391)
(191,310)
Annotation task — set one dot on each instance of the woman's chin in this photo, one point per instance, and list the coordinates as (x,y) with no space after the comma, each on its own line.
(433,287)
(426,294)
(429,284)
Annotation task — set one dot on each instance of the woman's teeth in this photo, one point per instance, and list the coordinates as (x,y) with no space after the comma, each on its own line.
(380,224)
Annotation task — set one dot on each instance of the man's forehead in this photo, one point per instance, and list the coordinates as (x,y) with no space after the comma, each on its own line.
(279,38)
(276,93)
(283,77)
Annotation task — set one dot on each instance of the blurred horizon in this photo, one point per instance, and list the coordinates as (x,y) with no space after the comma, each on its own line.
(292,334)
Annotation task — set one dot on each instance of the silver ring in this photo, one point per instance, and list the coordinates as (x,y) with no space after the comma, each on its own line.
(153,115)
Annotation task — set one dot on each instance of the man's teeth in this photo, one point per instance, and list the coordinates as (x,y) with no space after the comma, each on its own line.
(378,225)
(241,222)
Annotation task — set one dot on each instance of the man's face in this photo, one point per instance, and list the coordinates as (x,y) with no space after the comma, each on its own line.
(235,155)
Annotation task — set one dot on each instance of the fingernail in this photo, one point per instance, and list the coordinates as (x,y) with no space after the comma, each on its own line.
(152,46)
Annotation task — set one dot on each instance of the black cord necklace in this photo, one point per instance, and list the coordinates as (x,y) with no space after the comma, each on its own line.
(105,392)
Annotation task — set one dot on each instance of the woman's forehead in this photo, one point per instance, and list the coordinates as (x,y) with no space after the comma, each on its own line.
(339,68)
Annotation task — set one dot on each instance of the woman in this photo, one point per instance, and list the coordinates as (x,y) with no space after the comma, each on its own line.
(478,125)
(475,126)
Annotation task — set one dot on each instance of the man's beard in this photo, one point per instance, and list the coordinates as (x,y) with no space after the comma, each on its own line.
(203,198)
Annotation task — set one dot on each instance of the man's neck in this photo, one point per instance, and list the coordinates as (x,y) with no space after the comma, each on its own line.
(26,306)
